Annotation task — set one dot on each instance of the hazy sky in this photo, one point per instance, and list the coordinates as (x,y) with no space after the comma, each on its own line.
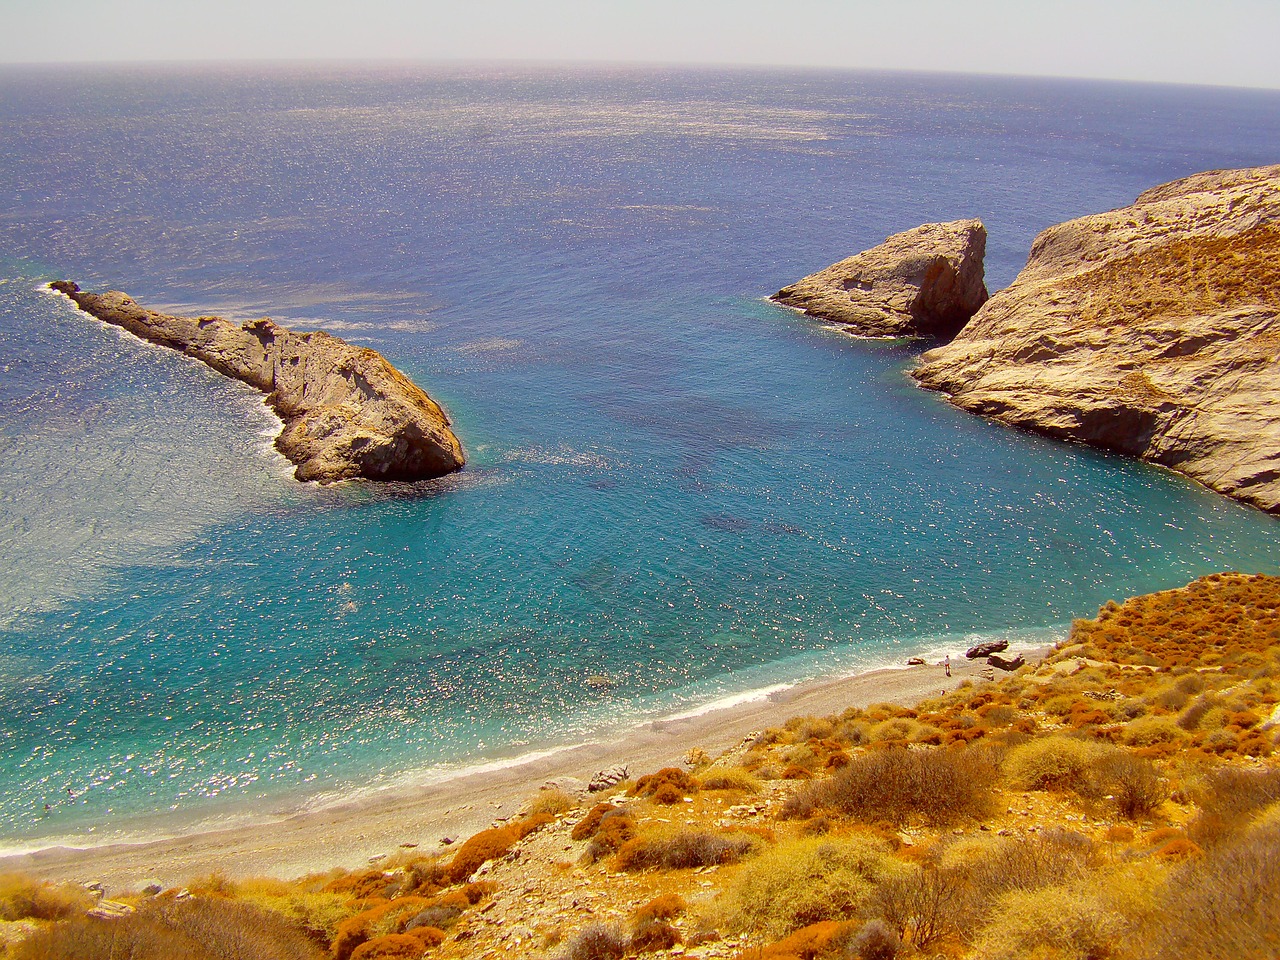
(1231,42)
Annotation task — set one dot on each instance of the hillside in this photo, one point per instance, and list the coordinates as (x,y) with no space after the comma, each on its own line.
(1111,801)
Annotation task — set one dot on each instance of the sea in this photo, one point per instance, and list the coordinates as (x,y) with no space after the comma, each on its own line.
(678,495)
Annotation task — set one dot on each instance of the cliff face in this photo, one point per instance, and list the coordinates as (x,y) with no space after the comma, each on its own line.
(347,412)
(925,282)
(1151,330)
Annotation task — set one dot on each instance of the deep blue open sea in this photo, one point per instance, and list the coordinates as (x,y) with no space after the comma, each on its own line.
(671,483)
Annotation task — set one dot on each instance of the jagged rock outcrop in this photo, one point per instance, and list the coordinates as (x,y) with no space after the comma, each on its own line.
(1151,330)
(925,282)
(347,412)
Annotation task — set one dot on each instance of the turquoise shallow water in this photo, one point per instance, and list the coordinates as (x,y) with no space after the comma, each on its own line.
(671,482)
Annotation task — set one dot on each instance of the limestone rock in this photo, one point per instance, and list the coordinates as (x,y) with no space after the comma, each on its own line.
(995,660)
(109,910)
(926,282)
(347,412)
(1151,330)
(986,649)
(607,778)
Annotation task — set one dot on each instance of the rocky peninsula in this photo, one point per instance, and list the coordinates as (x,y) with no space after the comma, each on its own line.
(925,282)
(347,412)
(1151,330)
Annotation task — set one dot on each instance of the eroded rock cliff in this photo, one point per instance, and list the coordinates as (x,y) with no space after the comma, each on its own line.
(347,412)
(1150,330)
(925,282)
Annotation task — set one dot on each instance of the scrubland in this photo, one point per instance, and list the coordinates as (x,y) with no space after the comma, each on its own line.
(1118,800)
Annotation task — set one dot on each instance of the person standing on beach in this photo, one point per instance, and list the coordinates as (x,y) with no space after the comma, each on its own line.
(946,664)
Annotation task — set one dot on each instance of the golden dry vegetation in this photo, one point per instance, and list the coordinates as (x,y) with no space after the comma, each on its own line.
(1118,800)
(1196,276)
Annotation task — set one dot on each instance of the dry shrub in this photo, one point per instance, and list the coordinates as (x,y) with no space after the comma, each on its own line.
(1151,730)
(1050,763)
(684,850)
(1130,783)
(1229,798)
(363,885)
(386,917)
(1223,904)
(898,728)
(393,946)
(551,801)
(923,902)
(941,786)
(668,785)
(815,728)
(729,778)
(875,941)
(1118,833)
(652,936)
(193,929)
(1194,716)
(827,938)
(491,844)
(597,942)
(1179,848)
(317,912)
(1087,918)
(615,830)
(990,867)
(1222,619)
(440,915)
(586,828)
(806,881)
(23,897)
(668,906)
(1071,922)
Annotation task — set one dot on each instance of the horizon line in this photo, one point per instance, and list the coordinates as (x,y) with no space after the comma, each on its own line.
(285,61)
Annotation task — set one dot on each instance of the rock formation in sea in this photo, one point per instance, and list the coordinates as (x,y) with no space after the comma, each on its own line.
(1152,330)
(347,412)
(925,282)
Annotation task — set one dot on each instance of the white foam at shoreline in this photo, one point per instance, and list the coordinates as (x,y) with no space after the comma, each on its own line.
(727,703)
(1023,640)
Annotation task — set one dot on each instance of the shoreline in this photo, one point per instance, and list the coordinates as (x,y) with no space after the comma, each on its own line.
(354,832)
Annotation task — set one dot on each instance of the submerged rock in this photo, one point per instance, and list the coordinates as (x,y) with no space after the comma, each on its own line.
(347,412)
(1152,330)
(926,282)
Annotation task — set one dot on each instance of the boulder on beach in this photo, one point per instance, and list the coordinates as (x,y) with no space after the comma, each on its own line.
(986,649)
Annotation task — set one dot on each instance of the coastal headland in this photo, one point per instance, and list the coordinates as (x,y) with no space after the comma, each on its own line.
(1152,330)
(347,412)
